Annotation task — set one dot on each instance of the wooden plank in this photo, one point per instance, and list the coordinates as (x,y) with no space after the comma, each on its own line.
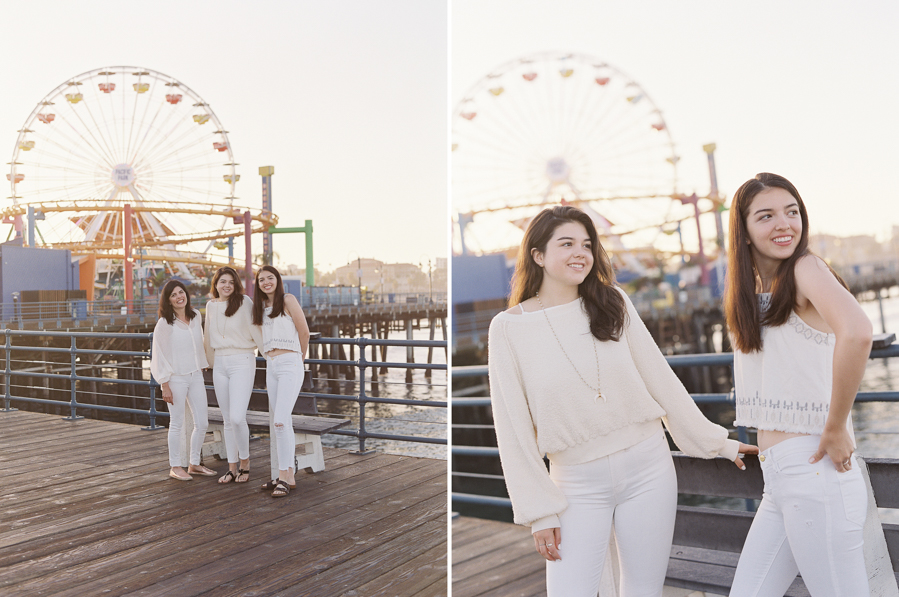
(302,423)
(710,528)
(170,550)
(117,524)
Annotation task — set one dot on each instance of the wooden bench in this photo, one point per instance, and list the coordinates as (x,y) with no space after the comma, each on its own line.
(307,432)
(308,427)
(708,541)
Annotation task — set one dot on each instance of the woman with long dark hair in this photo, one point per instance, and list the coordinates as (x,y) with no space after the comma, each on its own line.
(177,364)
(575,375)
(801,342)
(231,343)
(285,338)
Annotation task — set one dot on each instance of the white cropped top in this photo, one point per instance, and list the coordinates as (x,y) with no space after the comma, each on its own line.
(787,385)
(279,333)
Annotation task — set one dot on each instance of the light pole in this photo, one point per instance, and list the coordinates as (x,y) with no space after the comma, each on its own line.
(421,265)
(358,267)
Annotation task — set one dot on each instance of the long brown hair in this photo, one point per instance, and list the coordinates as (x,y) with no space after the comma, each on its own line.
(605,305)
(744,321)
(236,298)
(277,302)
(166,311)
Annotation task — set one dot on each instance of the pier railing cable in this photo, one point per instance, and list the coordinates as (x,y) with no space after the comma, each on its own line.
(697,360)
(16,367)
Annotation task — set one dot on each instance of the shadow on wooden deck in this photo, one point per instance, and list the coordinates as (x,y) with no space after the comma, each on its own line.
(88,509)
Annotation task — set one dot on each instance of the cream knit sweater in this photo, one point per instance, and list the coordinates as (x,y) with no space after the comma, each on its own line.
(541,406)
(230,335)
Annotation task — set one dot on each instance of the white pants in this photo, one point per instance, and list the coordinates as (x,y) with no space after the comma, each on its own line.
(810,522)
(637,489)
(232,376)
(187,388)
(283,380)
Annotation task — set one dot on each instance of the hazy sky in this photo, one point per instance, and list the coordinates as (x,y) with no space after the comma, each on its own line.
(347,99)
(806,89)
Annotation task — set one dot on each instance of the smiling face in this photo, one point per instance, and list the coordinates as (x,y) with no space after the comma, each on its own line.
(225,286)
(178,299)
(268,282)
(568,257)
(774,225)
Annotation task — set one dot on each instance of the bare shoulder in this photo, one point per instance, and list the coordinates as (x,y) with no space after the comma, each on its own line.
(291,301)
(810,264)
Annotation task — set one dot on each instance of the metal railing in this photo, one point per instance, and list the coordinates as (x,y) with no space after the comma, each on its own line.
(697,360)
(20,364)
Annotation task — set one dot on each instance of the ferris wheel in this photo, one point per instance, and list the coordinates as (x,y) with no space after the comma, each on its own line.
(555,127)
(127,135)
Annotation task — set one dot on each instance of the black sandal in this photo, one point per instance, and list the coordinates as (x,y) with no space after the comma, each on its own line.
(240,473)
(231,474)
(283,487)
(269,486)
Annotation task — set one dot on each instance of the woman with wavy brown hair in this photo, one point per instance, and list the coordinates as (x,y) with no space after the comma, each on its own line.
(177,362)
(801,342)
(231,343)
(576,376)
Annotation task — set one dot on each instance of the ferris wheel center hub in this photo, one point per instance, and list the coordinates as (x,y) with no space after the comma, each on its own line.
(557,170)
(123,175)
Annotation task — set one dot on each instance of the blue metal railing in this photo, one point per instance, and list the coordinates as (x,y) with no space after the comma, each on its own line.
(693,360)
(75,363)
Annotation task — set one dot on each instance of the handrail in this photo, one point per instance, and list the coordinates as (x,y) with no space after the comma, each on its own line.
(694,360)
(362,364)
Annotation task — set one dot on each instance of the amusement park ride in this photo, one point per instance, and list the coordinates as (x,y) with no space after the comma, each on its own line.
(554,128)
(128,153)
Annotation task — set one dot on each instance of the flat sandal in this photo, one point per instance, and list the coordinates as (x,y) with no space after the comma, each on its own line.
(283,487)
(270,485)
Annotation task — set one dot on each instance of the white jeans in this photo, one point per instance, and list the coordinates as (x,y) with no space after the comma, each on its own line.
(187,388)
(283,380)
(637,489)
(232,376)
(810,522)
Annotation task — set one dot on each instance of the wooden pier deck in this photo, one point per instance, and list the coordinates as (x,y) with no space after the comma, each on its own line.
(88,509)
(495,559)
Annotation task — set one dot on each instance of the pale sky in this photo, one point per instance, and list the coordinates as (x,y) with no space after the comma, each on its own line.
(806,89)
(347,99)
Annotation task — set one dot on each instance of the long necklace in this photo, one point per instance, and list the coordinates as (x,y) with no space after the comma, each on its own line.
(220,319)
(570,362)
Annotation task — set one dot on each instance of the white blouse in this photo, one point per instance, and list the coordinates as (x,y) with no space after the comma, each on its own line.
(177,348)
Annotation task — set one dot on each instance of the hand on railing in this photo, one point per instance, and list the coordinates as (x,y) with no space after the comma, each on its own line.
(745,449)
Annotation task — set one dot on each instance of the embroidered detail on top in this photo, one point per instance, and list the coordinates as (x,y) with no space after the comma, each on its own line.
(783,414)
(807,332)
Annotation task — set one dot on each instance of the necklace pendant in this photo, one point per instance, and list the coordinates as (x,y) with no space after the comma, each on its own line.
(598,396)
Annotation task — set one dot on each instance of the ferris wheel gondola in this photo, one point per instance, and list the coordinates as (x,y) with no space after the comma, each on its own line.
(127,135)
(559,126)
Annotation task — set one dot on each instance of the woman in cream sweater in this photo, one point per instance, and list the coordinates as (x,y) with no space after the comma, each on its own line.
(575,375)
(231,343)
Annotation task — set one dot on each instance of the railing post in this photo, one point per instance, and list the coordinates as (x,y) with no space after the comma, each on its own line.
(6,374)
(73,381)
(362,363)
(153,426)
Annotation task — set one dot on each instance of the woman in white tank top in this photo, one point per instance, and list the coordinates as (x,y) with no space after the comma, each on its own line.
(801,342)
(285,338)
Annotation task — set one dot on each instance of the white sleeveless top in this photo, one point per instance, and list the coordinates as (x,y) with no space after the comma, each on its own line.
(787,385)
(279,333)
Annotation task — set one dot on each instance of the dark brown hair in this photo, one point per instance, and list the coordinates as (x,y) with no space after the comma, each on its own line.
(604,303)
(236,298)
(277,302)
(166,311)
(741,308)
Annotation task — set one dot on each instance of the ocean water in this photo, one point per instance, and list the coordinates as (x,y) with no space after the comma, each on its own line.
(395,419)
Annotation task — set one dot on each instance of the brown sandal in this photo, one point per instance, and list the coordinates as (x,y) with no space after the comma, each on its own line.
(229,475)
(240,473)
(270,485)
(282,489)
